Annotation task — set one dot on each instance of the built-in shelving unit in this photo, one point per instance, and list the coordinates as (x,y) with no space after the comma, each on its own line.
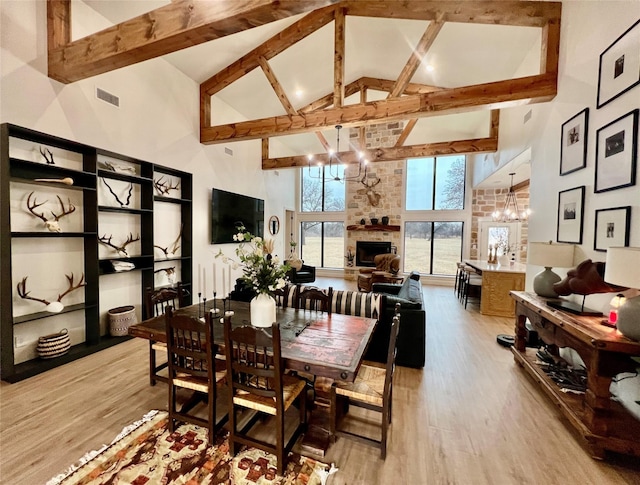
(28,249)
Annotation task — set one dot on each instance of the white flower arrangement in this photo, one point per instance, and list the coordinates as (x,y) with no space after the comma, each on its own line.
(262,271)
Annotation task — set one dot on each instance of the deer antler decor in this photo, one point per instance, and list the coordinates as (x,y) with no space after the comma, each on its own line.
(122,204)
(164,187)
(57,305)
(173,248)
(373,196)
(122,249)
(116,167)
(170,272)
(53,225)
(48,156)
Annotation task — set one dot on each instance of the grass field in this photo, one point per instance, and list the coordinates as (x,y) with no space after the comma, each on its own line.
(446,254)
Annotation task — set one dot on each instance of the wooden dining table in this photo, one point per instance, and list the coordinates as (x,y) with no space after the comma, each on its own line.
(318,343)
(314,342)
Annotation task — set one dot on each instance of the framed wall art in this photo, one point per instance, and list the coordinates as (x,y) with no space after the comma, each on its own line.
(570,215)
(616,153)
(619,69)
(573,145)
(612,227)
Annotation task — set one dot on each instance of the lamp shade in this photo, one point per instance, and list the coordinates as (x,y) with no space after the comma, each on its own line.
(550,255)
(622,267)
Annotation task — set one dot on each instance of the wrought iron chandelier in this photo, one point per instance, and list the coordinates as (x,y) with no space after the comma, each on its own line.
(332,171)
(511,211)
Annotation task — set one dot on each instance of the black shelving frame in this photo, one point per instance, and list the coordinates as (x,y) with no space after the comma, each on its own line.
(85,180)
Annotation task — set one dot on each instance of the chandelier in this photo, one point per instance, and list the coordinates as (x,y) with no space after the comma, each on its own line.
(336,168)
(511,211)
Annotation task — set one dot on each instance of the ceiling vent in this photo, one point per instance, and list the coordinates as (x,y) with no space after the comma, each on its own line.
(527,116)
(228,151)
(108,97)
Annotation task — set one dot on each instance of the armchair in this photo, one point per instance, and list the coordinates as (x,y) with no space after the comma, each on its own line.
(306,274)
(386,270)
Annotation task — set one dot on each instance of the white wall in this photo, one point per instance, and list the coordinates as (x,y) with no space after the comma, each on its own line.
(158,121)
(588,28)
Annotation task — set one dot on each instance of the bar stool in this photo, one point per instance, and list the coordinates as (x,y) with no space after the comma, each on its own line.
(459,271)
(472,285)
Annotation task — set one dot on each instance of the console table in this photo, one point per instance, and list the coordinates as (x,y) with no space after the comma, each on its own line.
(604,423)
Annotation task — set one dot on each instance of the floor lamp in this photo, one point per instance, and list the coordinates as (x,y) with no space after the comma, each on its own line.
(622,269)
(550,256)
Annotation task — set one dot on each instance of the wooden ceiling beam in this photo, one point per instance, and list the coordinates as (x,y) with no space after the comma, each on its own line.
(277,87)
(180,24)
(338,59)
(398,152)
(408,127)
(269,49)
(58,23)
(415,59)
(497,12)
(512,92)
(479,145)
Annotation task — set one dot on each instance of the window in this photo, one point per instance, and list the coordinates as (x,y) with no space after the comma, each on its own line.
(432,247)
(435,183)
(322,243)
(435,193)
(319,195)
(322,227)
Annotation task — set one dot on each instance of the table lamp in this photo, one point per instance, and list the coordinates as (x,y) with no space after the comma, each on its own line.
(550,256)
(622,269)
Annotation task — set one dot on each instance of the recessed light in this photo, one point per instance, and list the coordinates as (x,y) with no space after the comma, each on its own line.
(429,68)
(299,93)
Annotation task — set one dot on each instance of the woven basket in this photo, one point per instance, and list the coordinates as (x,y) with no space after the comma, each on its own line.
(54,345)
(120,319)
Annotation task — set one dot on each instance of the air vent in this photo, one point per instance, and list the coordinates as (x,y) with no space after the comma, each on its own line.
(228,151)
(108,97)
(527,116)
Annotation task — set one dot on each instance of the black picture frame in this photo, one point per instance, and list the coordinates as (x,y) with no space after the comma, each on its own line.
(619,67)
(617,153)
(612,227)
(573,143)
(570,215)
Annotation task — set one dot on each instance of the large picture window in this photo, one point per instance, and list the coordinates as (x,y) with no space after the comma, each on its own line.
(322,243)
(435,183)
(320,195)
(432,247)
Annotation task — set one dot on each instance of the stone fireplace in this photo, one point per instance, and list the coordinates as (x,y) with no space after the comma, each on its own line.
(358,204)
(367,250)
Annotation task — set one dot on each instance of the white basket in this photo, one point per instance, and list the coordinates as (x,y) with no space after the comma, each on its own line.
(120,319)
(54,345)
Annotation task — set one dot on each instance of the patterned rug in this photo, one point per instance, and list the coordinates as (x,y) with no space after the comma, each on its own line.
(145,453)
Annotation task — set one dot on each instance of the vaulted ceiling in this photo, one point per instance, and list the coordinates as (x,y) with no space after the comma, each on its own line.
(292,70)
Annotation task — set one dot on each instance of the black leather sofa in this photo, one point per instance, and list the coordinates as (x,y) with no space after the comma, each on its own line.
(412,334)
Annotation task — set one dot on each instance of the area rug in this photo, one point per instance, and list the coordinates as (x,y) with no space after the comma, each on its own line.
(146,453)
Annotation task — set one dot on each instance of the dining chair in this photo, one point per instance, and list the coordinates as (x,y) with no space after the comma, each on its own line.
(282,296)
(155,302)
(193,366)
(258,382)
(372,389)
(313,298)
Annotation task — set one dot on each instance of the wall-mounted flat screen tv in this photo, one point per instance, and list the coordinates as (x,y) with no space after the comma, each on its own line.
(229,210)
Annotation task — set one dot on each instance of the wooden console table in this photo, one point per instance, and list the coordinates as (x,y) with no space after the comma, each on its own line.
(603,422)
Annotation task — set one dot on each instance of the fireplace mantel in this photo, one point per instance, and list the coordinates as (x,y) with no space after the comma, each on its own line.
(373,227)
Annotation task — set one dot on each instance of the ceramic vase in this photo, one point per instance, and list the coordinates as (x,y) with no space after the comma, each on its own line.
(263,310)
(629,318)
(503,260)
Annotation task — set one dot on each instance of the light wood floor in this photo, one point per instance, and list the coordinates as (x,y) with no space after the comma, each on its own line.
(471,416)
